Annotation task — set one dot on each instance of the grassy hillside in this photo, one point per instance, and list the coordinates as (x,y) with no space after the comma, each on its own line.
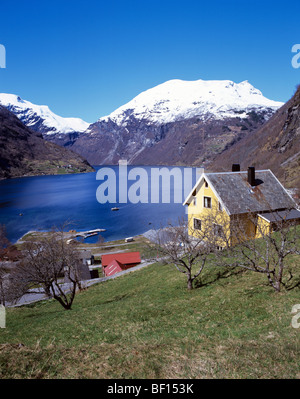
(147,325)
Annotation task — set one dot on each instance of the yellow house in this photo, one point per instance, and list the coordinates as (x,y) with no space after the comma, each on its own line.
(253,200)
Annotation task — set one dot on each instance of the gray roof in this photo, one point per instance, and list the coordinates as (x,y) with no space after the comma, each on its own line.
(85,254)
(238,196)
(289,214)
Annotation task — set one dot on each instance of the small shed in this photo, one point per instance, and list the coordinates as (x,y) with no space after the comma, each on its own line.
(86,257)
(113,268)
(115,263)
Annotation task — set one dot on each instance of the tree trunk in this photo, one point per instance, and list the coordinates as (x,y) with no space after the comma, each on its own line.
(2,297)
(279,276)
(190,283)
(63,299)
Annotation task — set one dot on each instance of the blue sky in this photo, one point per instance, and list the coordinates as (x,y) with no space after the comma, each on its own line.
(86,58)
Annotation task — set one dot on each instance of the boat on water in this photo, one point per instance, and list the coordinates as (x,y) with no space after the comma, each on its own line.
(115,209)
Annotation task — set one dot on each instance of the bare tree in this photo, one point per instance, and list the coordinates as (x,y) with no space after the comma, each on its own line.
(4,245)
(185,245)
(45,265)
(4,241)
(267,248)
(7,293)
(2,283)
(100,240)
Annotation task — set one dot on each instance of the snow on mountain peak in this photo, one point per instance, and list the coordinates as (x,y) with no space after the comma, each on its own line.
(178,99)
(28,113)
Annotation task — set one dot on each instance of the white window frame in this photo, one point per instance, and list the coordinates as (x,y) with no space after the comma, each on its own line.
(207,207)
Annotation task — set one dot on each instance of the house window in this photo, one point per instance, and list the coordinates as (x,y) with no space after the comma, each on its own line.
(197,224)
(218,230)
(220,207)
(195,201)
(207,202)
(206,184)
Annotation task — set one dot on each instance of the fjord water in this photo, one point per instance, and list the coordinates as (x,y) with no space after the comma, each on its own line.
(42,202)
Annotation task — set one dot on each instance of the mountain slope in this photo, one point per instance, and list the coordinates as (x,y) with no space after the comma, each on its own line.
(40,118)
(177,122)
(275,146)
(24,152)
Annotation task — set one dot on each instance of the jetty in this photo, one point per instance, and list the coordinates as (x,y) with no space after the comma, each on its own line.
(89,233)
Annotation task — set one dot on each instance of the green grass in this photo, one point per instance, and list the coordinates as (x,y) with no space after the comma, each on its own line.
(139,244)
(147,325)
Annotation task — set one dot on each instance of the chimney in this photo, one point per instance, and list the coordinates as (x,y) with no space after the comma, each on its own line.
(236,167)
(251,175)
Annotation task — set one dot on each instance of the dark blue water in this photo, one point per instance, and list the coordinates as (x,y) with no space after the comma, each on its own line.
(47,201)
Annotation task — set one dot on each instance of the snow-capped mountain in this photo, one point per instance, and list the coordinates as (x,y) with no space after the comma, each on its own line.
(176,100)
(177,122)
(40,118)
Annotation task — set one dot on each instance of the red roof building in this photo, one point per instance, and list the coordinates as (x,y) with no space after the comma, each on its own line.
(115,263)
(113,268)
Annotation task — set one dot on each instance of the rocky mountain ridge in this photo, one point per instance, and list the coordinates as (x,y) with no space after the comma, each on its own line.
(275,146)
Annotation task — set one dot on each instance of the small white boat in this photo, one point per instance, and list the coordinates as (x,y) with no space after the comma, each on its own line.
(129,239)
(115,209)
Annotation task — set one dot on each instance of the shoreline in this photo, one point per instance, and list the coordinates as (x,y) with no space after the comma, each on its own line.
(73,235)
(46,174)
